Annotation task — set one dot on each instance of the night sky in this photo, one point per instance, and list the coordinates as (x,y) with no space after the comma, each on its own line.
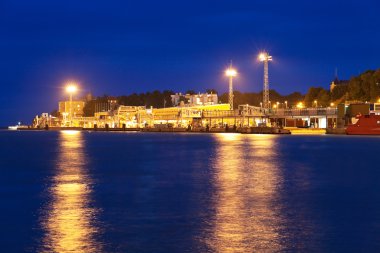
(120,47)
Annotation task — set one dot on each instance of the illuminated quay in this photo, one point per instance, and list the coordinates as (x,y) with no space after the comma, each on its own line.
(206,116)
(205,113)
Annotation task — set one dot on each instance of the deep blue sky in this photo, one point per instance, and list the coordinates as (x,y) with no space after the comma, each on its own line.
(120,47)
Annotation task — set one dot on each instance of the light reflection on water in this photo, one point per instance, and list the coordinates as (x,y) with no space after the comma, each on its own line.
(247,183)
(68,220)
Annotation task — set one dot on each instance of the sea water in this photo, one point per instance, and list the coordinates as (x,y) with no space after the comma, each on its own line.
(74,191)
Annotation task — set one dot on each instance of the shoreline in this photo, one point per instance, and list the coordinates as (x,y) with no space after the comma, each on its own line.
(250,130)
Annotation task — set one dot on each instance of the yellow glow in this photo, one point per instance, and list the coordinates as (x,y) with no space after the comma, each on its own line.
(70,132)
(71,88)
(315,101)
(246,219)
(230,72)
(274,106)
(264,56)
(332,104)
(300,105)
(378,100)
(69,219)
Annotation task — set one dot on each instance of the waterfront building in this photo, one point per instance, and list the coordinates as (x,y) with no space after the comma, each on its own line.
(105,104)
(77,108)
(179,99)
(185,116)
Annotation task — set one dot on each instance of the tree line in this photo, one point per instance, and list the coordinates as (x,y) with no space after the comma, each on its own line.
(364,87)
(162,99)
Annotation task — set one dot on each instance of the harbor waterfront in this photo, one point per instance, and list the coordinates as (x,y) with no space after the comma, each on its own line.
(189,127)
(203,113)
(78,191)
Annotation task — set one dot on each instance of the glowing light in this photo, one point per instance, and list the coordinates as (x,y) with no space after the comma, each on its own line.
(300,105)
(70,132)
(68,220)
(230,72)
(71,88)
(332,104)
(241,187)
(378,100)
(264,56)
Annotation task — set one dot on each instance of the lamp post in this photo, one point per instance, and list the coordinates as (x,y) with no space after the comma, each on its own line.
(71,89)
(265,58)
(231,73)
(286,104)
(316,103)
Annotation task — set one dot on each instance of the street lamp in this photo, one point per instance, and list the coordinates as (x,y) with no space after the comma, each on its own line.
(286,104)
(316,103)
(300,105)
(231,73)
(265,58)
(71,88)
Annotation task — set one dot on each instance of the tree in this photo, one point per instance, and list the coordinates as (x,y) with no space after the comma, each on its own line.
(255,99)
(338,92)
(211,91)
(323,98)
(89,108)
(312,95)
(191,92)
(365,87)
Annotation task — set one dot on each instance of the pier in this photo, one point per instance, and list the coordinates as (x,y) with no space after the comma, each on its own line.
(216,118)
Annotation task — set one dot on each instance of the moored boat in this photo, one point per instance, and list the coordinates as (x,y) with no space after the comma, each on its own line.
(365,125)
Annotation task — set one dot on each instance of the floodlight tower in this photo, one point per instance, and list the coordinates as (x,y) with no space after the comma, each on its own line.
(265,57)
(231,73)
(71,88)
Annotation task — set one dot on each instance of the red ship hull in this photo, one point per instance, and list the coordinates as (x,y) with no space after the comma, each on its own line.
(366,125)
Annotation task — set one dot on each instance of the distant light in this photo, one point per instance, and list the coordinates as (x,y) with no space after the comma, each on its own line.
(264,56)
(230,72)
(300,105)
(71,88)
(332,104)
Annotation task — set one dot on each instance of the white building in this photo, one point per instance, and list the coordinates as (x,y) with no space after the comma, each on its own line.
(194,100)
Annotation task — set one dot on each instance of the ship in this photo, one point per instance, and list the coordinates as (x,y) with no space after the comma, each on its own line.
(365,125)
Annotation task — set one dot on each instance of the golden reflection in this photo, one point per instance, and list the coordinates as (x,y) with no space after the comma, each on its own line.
(69,220)
(247,179)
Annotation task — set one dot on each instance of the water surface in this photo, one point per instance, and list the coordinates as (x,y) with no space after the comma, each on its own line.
(145,192)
